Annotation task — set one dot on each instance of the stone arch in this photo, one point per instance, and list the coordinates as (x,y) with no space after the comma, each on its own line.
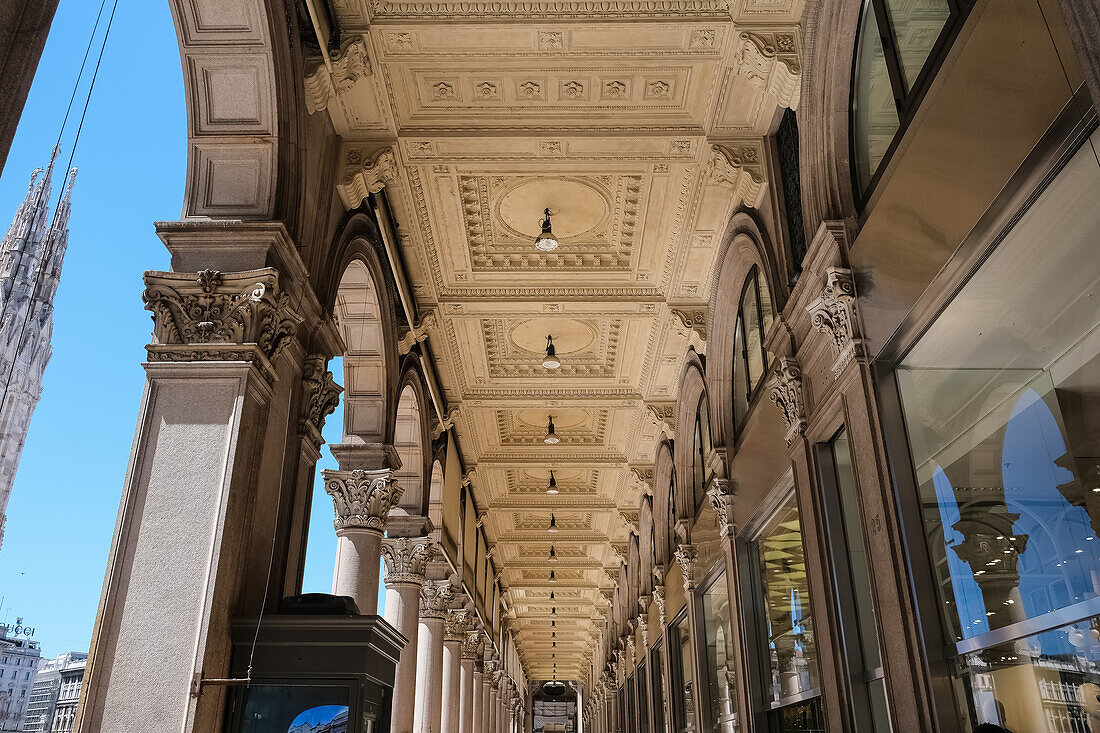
(412,438)
(244,113)
(828,39)
(633,576)
(665,511)
(744,247)
(692,391)
(435,491)
(353,288)
(647,544)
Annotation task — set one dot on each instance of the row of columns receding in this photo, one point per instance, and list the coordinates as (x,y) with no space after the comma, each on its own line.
(449,678)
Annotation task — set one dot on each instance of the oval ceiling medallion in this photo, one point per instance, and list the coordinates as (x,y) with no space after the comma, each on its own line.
(563,418)
(578,207)
(570,335)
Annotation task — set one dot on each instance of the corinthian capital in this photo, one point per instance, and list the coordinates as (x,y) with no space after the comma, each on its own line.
(659,599)
(320,397)
(456,625)
(722,503)
(833,313)
(471,645)
(406,559)
(785,390)
(216,316)
(362,499)
(686,555)
(435,596)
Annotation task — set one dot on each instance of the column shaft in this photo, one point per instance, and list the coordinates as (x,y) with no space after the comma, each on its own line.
(358,552)
(405,561)
(494,710)
(479,710)
(486,712)
(429,676)
(452,652)
(466,695)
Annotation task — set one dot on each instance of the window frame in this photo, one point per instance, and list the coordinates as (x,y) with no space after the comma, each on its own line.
(657,698)
(676,662)
(702,668)
(906,102)
(751,277)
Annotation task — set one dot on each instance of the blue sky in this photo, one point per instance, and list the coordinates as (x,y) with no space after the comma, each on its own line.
(132,157)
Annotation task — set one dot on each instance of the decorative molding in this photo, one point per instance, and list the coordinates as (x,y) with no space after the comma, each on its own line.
(362,499)
(320,398)
(739,169)
(686,555)
(456,625)
(435,597)
(350,64)
(406,559)
(417,334)
(770,62)
(197,315)
(785,391)
(364,176)
(833,313)
(722,503)
(591,10)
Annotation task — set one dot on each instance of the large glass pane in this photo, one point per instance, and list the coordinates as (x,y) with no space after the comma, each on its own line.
(1000,398)
(643,698)
(740,374)
(754,333)
(917,25)
(629,724)
(720,662)
(1046,682)
(874,112)
(683,705)
(786,593)
(656,683)
(281,708)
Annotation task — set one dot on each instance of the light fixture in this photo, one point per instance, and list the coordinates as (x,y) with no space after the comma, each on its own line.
(553,555)
(553,623)
(554,634)
(551,595)
(546,241)
(553,487)
(553,578)
(551,437)
(553,524)
(553,643)
(553,611)
(551,360)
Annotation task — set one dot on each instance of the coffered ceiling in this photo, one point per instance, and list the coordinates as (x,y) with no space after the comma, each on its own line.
(640,124)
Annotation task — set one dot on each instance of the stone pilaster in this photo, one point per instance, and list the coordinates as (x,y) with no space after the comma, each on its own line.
(406,560)
(785,391)
(361,501)
(833,314)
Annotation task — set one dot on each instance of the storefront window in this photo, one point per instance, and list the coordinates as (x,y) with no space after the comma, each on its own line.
(1001,397)
(628,720)
(642,698)
(720,660)
(683,705)
(786,597)
(657,700)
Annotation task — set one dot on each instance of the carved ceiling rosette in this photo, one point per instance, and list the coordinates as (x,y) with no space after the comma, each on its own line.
(686,555)
(435,596)
(406,558)
(833,313)
(216,316)
(320,397)
(785,391)
(362,499)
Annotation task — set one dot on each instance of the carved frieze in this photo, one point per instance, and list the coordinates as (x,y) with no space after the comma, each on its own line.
(406,558)
(833,314)
(215,316)
(785,391)
(362,499)
(320,397)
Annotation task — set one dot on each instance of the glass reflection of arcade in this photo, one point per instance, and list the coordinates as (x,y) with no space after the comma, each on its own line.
(554,706)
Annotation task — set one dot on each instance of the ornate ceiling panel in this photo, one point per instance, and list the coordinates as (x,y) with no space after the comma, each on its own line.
(641,125)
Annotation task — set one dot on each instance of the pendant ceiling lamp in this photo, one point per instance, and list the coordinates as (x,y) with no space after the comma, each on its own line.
(546,241)
(553,611)
(551,360)
(552,488)
(553,556)
(551,437)
(553,579)
(551,595)
(553,524)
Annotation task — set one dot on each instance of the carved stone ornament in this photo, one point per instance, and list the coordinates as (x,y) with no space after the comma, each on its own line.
(631,648)
(659,599)
(769,61)
(406,559)
(722,502)
(347,66)
(445,423)
(471,645)
(362,499)
(642,621)
(435,596)
(417,334)
(456,625)
(739,171)
(320,397)
(215,316)
(689,320)
(686,555)
(361,179)
(833,313)
(785,391)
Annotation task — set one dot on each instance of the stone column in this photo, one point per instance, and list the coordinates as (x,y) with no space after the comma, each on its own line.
(405,558)
(362,502)
(471,649)
(434,599)
(211,464)
(454,635)
(494,703)
(686,556)
(486,694)
(479,708)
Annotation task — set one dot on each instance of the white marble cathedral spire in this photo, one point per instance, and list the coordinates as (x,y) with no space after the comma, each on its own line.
(31,254)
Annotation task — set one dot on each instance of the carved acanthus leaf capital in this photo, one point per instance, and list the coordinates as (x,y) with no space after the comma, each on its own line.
(362,499)
(785,391)
(833,314)
(320,397)
(659,599)
(347,66)
(456,625)
(471,645)
(722,503)
(406,559)
(216,316)
(435,596)
(364,176)
(686,555)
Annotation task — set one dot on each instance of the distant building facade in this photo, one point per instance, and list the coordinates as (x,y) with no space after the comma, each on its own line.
(19,659)
(56,691)
(31,254)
